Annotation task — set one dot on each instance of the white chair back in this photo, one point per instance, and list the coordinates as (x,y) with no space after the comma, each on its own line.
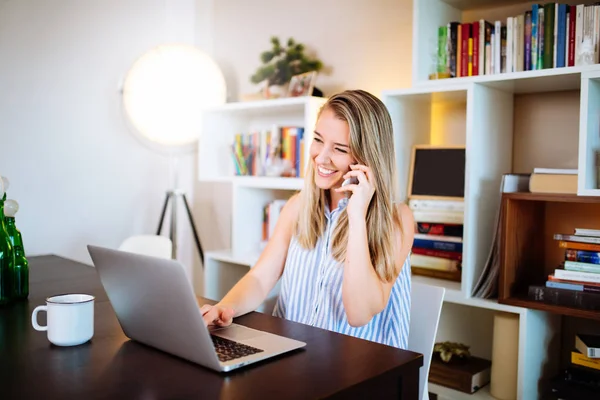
(425,309)
(150,245)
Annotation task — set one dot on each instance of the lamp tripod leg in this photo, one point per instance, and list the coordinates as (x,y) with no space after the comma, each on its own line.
(162,214)
(172,195)
(173,226)
(173,230)
(196,237)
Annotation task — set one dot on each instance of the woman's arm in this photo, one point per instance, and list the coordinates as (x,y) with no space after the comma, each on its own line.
(364,295)
(256,285)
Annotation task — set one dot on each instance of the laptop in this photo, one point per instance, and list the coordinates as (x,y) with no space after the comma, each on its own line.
(155,305)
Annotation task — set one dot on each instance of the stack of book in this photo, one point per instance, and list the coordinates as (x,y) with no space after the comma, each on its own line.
(438,239)
(549,35)
(278,151)
(576,283)
(581,379)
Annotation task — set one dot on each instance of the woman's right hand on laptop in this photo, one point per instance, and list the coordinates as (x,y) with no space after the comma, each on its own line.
(217,315)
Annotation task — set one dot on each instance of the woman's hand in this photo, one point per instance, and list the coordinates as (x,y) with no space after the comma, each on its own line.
(361,192)
(217,315)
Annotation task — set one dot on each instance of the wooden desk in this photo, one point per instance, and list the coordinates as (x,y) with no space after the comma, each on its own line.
(112,366)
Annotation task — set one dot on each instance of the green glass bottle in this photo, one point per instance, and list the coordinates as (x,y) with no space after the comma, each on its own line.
(7,256)
(21,266)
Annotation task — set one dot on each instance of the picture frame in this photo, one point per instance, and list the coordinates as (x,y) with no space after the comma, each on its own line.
(302,84)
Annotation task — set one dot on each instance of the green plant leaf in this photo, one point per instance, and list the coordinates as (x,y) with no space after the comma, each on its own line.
(266,56)
(281,63)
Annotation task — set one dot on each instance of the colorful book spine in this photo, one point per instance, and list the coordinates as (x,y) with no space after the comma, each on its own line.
(581,360)
(590,257)
(573,286)
(438,245)
(567,298)
(431,262)
(527,41)
(582,267)
(577,276)
(439,229)
(534,35)
(451,255)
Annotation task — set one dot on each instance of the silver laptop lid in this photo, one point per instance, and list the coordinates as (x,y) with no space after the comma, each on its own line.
(155,303)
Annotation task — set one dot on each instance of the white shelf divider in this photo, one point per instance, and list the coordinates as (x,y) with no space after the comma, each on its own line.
(589,135)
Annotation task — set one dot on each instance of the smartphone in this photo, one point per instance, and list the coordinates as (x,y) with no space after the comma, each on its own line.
(351,180)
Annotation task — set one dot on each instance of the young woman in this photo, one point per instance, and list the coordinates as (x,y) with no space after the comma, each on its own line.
(342,252)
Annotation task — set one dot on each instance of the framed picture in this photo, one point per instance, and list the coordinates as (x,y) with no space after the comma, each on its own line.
(302,84)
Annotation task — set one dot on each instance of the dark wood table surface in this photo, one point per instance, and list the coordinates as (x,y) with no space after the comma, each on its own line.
(113,367)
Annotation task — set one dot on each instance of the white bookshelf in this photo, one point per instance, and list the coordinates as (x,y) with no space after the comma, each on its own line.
(433,111)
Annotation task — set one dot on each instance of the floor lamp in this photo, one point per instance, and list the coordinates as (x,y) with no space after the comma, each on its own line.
(164,94)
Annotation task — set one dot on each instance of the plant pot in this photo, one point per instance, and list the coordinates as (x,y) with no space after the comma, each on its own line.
(275,91)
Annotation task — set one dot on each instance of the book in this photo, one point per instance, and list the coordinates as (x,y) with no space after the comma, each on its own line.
(487,284)
(432,262)
(577,276)
(583,256)
(572,286)
(553,183)
(467,376)
(588,345)
(587,232)
(565,298)
(580,359)
(576,238)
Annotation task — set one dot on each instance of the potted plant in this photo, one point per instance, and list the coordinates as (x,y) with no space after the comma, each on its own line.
(280,63)
(447,351)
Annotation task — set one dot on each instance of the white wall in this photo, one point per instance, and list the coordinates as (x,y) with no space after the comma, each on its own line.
(79,174)
(365,44)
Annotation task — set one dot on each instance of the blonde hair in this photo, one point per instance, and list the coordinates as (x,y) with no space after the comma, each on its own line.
(371,144)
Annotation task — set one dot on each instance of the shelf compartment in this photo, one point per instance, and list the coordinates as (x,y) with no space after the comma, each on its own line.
(529,253)
(589,139)
(221,124)
(248,216)
(429,15)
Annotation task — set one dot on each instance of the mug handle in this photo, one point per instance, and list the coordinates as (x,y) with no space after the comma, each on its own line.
(37,326)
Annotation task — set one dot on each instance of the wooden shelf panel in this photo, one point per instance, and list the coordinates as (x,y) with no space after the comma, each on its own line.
(551,197)
(562,310)
(529,253)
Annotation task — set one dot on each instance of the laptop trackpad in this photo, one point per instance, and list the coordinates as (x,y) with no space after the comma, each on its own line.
(237,332)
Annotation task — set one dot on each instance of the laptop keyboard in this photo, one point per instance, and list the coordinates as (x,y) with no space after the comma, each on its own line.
(228,350)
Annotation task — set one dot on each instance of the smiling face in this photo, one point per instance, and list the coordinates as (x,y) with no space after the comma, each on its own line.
(330,151)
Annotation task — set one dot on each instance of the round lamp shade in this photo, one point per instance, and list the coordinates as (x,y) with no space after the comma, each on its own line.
(166,90)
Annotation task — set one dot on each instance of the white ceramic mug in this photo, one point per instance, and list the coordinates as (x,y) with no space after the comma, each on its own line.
(70,319)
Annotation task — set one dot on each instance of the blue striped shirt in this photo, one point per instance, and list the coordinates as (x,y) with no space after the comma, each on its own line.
(311,293)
